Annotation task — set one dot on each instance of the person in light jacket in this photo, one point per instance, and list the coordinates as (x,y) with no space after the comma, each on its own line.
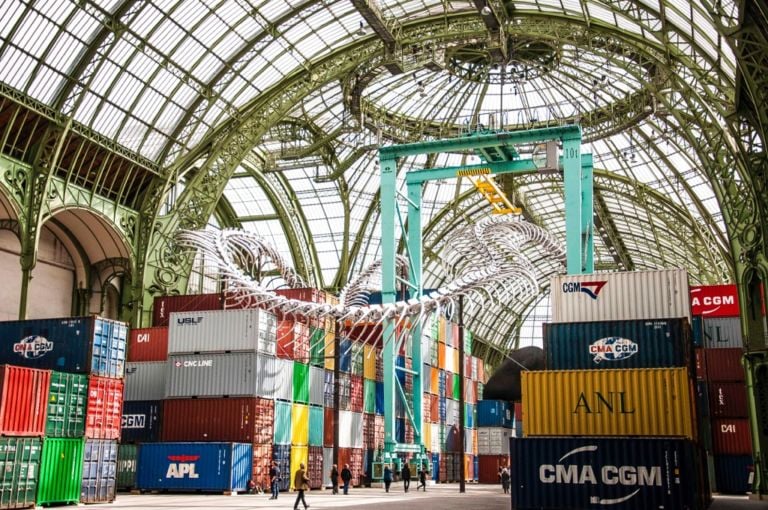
(301,483)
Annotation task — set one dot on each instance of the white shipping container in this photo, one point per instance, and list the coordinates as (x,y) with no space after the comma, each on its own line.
(316,385)
(493,440)
(145,380)
(350,429)
(225,374)
(327,463)
(250,330)
(450,358)
(283,379)
(621,296)
(435,437)
(469,435)
(452,408)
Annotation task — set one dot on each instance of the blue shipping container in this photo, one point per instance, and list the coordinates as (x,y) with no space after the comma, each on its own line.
(436,467)
(81,345)
(469,416)
(282,455)
(733,473)
(494,413)
(379,397)
(656,343)
(141,421)
(194,466)
(702,398)
(345,355)
(99,471)
(622,474)
(697,331)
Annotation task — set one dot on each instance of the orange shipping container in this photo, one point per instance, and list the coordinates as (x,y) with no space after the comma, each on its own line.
(369,362)
(434,387)
(637,402)
(441,355)
(24,401)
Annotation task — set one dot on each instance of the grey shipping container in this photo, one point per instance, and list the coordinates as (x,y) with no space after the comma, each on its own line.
(654,343)
(316,385)
(722,333)
(251,330)
(145,380)
(99,471)
(621,296)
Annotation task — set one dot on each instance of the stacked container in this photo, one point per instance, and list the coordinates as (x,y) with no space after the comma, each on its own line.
(721,387)
(617,399)
(495,422)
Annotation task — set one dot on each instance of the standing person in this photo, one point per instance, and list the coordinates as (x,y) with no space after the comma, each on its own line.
(505,480)
(422,478)
(406,475)
(346,476)
(387,477)
(335,478)
(301,483)
(274,479)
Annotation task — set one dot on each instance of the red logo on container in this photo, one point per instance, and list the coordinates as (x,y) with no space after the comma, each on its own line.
(183,458)
(715,300)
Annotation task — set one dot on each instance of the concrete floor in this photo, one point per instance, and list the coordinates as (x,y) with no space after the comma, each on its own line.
(440,497)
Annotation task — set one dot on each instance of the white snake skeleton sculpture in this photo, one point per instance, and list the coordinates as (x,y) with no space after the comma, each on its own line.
(486,259)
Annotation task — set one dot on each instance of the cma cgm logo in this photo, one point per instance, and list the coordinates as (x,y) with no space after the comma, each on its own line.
(33,347)
(194,363)
(133,421)
(591,289)
(182,466)
(189,321)
(631,477)
(612,348)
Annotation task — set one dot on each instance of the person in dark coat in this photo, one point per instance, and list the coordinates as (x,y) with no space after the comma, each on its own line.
(346,476)
(274,479)
(301,483)
(422,479)
(505,480)
(335,478)
(387,477)
(406,474)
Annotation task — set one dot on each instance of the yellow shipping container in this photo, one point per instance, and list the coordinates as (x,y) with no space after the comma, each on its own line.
(299,425)
(441,328)
(441,355)
(299,455)
(426,432)
(637,402)
(369,362)
(329,350)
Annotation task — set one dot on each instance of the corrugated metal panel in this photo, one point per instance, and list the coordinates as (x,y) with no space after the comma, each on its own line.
(262,462)
(222,330)
(731,436)
(697,331)
(165,305)
(734,473)
(317,347)
(127,456)
(105,408)
(700,363)
(328,424)
(728,400)
(195,466)
(216,375)
(300,425)
(350,429)
(617,344)
(299,455)
(722,333)
(620,296)
(327,461)
(715,300)
(61,467)
(67,405)
(282,455)
(316,423)
(20,458)
(140,422)
(490,466)
(494,413)
(369,362)
(300,382)
(283,423)
(369,396)
(316,385)
(283,379)
(724,365)
(148,344)
(565,473)
(315,467)
(451,412)
(23,400)
(493,440)
(99,471)
(145,380)
(242,420)
(702,399)
(637,402)
(330,350)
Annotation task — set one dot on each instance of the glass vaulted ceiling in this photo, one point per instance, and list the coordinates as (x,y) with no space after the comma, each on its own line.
(161,77)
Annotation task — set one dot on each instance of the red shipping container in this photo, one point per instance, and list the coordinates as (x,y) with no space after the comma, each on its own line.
(293,340)
(731,437)
(242,420)
(379,434)
(380,366)
(148,344)
(315,467)
(442,472)
(262,461)
(165,305)
(727,400)
(328,423)
(489,467)
(23,401)
(239,300)
(518,411)
(303,294)
(369,431)
(427,408)
(701,365)
(356,393)
(105,408)
(715,300)
(724,365)
(353,457)
(481,371)
(434,408)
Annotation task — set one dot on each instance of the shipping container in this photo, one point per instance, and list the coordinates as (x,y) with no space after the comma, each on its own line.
(224,467)
(293,341)
(733,473)
(145,380)
(715,300)
(316,385)
(490,466)
(99,471)
(317,342)
(299,425)
(23,400)
(282,455)
(631,473)
(702,399)
(493,440)
(722,333)
(300,383)
(637,402)
(731,436)
(20,458)
(369,396)
(327,463)
(81,345)
(165,305)
(697,331)
(148,344)
(728,400)
(494,413)
(353,457)
(350,429)
(222,331)
(329,421)
(299,455)
(141,421)
(315,467)
(105,408)
(127,458)
(700,364)
(617,344)
(370,354)
(240,420)
(283,424)
(316,424)
(61,469)
(724,365)
(67,405)
(262,462)
(620,296)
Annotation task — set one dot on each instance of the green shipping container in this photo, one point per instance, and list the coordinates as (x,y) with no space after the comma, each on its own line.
(67,403)
(300,383)
(316,422)
(456,387)
(317,347)
(358,360)
(282,422)
(61,469)
(127,454)
(468,342)
(369,396)
(20,459)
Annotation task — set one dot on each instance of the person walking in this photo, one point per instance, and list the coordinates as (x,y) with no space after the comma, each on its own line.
(274,479)
(505,480)
(301,483)
(406,475)
(335,478)
(387,477)
(346,476)
(422,479)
